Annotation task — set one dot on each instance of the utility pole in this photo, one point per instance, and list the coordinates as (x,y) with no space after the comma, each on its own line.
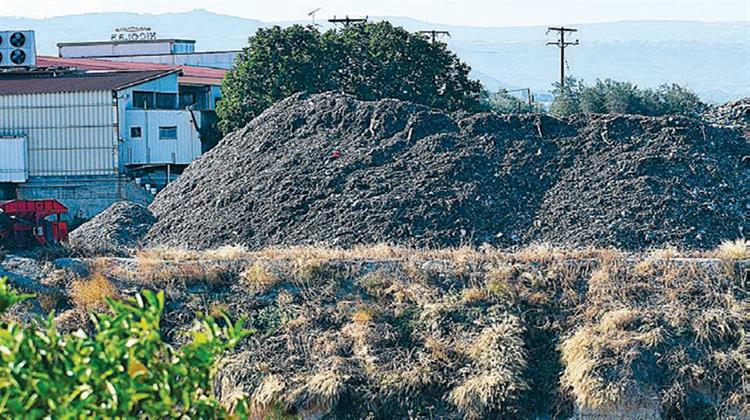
(561,43)
(347,20)
(312,15)
(529,96)
(434,34)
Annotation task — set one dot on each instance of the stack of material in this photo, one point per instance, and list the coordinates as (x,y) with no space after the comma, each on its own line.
(732,114)
(116,231)
(328,168)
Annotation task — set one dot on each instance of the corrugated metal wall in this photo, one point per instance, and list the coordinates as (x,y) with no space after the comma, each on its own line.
(68,133)
(13,167)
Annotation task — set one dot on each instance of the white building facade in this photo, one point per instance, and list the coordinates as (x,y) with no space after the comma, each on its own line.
(86,138)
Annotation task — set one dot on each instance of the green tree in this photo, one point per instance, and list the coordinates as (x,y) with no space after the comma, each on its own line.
(370,61)
(276,64)
(621,97)
(675,99)
(567,98)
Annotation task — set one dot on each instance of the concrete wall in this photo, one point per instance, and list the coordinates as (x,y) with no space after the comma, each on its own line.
(86,196)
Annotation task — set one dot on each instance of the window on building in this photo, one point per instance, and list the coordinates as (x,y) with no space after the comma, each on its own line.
(187,99)
(136,132)
(168,133)
(144,100)
(195,96)
(166,101)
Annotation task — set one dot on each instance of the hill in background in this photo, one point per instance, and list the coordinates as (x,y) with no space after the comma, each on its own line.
(713,59)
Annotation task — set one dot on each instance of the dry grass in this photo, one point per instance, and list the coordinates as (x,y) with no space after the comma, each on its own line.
(473,295)
(259,277)
(91,293)
(363,315)
(733,250)
(499,364)
(317,394)
(665,253)
(598,361)
(468,332)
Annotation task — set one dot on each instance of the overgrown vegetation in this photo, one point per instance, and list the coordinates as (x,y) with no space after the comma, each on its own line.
(612,97)
(393,332)
(504,103)
(369,60)
(123,370)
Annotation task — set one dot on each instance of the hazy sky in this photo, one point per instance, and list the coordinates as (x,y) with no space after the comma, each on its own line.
(486,13)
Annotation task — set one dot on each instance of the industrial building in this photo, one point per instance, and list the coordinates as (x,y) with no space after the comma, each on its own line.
(89,138)
(179,52)
(89,132)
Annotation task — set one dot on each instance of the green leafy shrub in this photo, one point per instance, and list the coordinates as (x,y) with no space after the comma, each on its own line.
(504,103)
(123,370)
(612,97)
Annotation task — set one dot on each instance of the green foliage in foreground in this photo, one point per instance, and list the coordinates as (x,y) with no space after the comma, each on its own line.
(613,97)
(124,370)
(370,61)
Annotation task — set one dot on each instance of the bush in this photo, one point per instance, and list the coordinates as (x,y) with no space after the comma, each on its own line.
(504,103)
(613,97)
(124,370)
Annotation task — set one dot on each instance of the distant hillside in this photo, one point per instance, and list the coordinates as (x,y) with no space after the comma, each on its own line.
(711,58)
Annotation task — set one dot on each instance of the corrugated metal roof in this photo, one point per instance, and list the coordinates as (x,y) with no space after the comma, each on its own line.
(195,75)
(31,83)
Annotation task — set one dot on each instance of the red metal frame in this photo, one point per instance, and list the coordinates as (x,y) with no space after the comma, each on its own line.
(28,222)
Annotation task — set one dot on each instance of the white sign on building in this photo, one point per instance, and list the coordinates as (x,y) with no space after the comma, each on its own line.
(133,33)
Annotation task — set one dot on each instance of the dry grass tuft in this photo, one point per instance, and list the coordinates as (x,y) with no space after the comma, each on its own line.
(271,390)
(363,315)
(91,293)
(227,253)
(473,295)
(259,277)
(665,253)
(540,253)
(167,254)
(733,250)
(497,380)
(318,394)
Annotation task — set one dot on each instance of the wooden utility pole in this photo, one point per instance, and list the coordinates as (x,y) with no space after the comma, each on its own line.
(347,20)
(434,34)
(561,43)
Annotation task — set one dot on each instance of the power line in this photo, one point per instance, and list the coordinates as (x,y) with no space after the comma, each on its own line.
(562,44)
(434,34)
(347,20)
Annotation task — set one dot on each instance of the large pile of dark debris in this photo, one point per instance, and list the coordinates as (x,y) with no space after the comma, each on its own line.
(733,114)
(116,231)
(328,168)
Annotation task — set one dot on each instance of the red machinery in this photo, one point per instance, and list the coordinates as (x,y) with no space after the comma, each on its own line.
(24,223)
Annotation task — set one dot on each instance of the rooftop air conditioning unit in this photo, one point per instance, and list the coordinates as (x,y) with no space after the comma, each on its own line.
(17,49)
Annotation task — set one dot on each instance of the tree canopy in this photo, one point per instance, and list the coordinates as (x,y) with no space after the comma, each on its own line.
(369,60)
(612,97)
